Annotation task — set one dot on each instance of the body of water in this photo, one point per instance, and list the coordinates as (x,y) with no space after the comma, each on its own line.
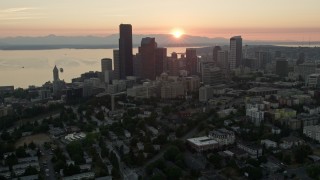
(22,68)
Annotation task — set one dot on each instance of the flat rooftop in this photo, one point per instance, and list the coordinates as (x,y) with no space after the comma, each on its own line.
(201,141)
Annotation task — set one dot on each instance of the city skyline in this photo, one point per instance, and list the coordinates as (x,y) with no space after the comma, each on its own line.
(254,20)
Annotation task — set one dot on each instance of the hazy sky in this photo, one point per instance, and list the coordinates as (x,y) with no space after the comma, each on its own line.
(253,19)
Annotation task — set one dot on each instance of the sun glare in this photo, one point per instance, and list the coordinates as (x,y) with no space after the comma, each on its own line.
(177,33)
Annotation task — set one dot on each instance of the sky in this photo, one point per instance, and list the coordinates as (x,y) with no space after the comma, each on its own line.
(253,19)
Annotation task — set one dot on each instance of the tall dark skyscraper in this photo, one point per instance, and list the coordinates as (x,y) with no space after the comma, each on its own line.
(147,51)
(161,60)
(125,51)
(191,59)
(235,53)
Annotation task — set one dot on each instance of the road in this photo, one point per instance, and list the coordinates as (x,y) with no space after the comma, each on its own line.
(46,164)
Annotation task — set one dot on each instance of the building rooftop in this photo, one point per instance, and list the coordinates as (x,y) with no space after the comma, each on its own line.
(201,141)
(261,89)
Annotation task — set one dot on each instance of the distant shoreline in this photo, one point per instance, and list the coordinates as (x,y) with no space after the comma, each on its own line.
(55,47)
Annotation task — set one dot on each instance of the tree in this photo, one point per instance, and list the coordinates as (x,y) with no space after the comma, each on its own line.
(171,153)
(287,159)
(6,136)
(30,171)
(32,145)
(71,170)
(216,159)
(20,152)
(301,152)
(157,177)
(76,152)
(11,160)
(314,171)
(254,172)
(166,110)
(114,160)
(173,173)
(100,115)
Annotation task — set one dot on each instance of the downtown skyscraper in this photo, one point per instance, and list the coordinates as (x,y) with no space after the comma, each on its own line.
(235,53)
(125,51)
(191,61)
(147,51)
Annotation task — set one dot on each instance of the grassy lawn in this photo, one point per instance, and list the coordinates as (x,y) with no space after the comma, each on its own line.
(38,139)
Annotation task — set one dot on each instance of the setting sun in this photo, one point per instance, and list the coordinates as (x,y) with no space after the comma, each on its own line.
(177,33)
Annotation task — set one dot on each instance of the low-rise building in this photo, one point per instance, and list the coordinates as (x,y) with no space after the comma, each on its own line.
(312,109)
(256,116)
(5,110)
(236,152)
(268,143)
(204,143)
(284,113)
(313,81)
(275,130)
(147,90)
(86,175)
(172,90)
(289,142)
(75,137)
(253,150)
(226,112)
(262,91)
(312,132)
(223,136)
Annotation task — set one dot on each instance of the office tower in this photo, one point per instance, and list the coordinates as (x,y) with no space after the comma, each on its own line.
(55,74)
(125,51)
(137,65)
(211,75)
(147,51)
(282,67)
(301,58)
(262,58)
(173,66)
(106,70)
(222,59)
(222,62)
(116,59)
(106,64)
(161,63)
(191,61)
(215,53)
(235,54)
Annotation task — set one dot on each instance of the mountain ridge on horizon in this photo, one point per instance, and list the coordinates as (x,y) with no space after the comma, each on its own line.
(111,41)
